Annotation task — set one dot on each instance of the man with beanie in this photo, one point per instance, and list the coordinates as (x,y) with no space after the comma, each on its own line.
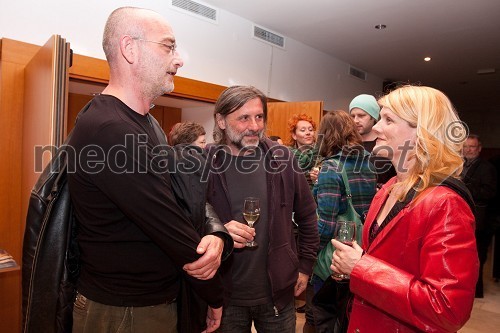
(365,110)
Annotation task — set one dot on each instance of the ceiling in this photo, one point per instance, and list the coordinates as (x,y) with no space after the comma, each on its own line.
(461,36)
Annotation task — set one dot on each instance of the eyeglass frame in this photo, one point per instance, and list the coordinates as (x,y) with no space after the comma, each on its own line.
(172,47)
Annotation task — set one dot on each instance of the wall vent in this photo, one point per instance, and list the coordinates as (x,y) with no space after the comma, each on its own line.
(268,36)
(357,73)
(196,9)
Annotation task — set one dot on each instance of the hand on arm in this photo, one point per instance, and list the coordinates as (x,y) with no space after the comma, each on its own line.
(241,233)
(206,266)
(214,317)
(345,257)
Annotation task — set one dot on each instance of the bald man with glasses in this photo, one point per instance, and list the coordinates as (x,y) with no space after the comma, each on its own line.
(136,244)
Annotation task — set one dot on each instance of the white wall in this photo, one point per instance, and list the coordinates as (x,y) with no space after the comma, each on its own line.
(223,53)
(202,115)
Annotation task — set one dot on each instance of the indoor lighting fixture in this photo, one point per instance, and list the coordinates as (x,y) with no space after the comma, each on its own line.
(380,26)
(427,59)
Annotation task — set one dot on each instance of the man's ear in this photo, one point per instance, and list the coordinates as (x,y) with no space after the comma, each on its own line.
(220,121)
(128,48)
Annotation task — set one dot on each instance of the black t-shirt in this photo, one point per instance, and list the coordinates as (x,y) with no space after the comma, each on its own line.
(133,237)
(246,177)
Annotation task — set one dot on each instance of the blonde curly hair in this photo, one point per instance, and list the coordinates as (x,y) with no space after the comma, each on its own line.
(439,135)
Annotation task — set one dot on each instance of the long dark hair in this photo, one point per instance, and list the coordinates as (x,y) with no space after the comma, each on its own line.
(337,132)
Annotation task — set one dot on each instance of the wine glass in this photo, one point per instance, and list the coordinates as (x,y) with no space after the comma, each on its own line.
(345,232)
(251,212)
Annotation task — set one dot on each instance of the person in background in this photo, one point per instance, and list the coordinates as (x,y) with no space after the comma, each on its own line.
(302,143)
(365,112)
(494,219)
(341,148)
(133,238)
(480,178)
(419,266)
(262,280)
(187,133)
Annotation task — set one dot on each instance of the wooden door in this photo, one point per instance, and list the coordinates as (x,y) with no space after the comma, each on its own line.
(46,82)
(167,116)
(25,71)
(278,114)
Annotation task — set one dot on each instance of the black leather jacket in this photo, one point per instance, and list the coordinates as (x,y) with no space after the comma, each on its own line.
(50,255)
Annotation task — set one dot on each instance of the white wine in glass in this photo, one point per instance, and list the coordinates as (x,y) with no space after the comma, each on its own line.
(345,232)
(251,213)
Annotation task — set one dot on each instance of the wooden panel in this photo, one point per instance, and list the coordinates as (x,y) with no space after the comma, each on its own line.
(199,90)
(44,111)
(166,116)
(11,221)
(89,69)
(279,113)
(75,103)
(17,52)
(157,112)
(171,116)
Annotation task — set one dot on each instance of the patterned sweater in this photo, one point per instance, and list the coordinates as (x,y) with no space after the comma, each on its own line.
(329,191)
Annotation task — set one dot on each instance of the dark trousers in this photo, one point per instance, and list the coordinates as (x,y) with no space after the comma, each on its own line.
(330,306)
(308,306)
(483,239)
(238,319)
(496,255)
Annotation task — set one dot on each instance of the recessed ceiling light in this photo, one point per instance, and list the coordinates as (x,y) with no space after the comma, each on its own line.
(380,26)
(427,59)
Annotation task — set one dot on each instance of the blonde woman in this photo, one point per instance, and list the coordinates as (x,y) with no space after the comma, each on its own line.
(420,265)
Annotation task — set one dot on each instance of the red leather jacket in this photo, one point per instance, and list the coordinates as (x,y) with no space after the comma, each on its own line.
(420,272)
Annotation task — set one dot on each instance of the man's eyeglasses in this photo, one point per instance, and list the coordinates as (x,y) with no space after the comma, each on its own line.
(171,47)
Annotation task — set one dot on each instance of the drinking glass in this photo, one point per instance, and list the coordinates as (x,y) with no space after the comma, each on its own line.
(251,212)
(345,232)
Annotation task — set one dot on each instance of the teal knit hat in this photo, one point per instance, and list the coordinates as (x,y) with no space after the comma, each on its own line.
(367,103)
